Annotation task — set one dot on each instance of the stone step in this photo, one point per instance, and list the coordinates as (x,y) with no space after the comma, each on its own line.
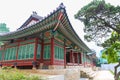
(84,78)
(88,74)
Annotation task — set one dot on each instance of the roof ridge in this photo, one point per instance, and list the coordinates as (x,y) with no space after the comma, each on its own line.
(61,6)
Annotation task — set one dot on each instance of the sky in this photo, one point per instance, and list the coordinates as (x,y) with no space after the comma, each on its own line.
(15,12)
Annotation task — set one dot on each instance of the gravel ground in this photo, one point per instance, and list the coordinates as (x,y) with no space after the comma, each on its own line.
(104,75)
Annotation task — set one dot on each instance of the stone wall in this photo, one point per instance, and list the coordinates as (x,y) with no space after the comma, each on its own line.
(69,74)
(72,74)
(56,67)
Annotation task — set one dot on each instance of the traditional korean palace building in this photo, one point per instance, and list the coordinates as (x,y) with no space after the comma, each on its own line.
(45,43)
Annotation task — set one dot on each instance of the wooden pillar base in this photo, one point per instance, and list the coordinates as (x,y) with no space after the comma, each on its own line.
(34,65)
(34,68)
(51,67)
(40,66)
(15,67)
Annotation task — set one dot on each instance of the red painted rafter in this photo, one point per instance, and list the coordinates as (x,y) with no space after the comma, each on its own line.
(59,18)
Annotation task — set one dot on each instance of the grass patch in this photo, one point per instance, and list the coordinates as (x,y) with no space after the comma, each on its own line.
(8,73)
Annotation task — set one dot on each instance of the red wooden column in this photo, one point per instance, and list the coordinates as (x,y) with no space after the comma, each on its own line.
(83,59)
(3,56)
(35,49)
(3,53)
(42,50)
(86,60)
(41,54)
(80,58)
(64,56)
(52,50)
(34,63)
(71,60)
(17,50)
(77,58)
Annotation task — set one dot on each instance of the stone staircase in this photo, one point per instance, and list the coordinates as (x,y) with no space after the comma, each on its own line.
(87,73)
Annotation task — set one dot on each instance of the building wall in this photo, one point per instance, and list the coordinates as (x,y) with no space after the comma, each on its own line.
(47,53)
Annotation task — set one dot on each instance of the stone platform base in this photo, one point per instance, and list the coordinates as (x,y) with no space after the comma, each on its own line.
(50,66)
(69,74)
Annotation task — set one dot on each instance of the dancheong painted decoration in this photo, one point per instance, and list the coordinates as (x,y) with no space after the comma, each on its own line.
(44,42)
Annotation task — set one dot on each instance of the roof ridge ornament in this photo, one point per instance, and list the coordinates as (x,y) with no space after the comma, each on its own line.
(34,12)
(61,5)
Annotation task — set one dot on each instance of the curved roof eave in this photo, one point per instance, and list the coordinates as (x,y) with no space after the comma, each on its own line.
(26,32)
(39,27)
(18,33)
(77,39)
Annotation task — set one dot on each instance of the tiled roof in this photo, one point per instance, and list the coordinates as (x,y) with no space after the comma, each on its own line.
(33,16)
(47,23)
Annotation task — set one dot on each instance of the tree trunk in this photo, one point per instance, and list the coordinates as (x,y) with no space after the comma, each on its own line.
(117,76)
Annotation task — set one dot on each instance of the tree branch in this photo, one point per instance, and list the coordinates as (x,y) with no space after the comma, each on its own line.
(108,25)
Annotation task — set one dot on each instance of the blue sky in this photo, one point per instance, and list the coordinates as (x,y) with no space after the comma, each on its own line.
(15,12)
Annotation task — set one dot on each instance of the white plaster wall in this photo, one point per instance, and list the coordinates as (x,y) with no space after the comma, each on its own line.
(109,67)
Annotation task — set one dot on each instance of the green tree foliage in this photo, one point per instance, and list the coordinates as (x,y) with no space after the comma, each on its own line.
(114,37)
(3,29)
(112,53)
(112,48)
(100,19)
